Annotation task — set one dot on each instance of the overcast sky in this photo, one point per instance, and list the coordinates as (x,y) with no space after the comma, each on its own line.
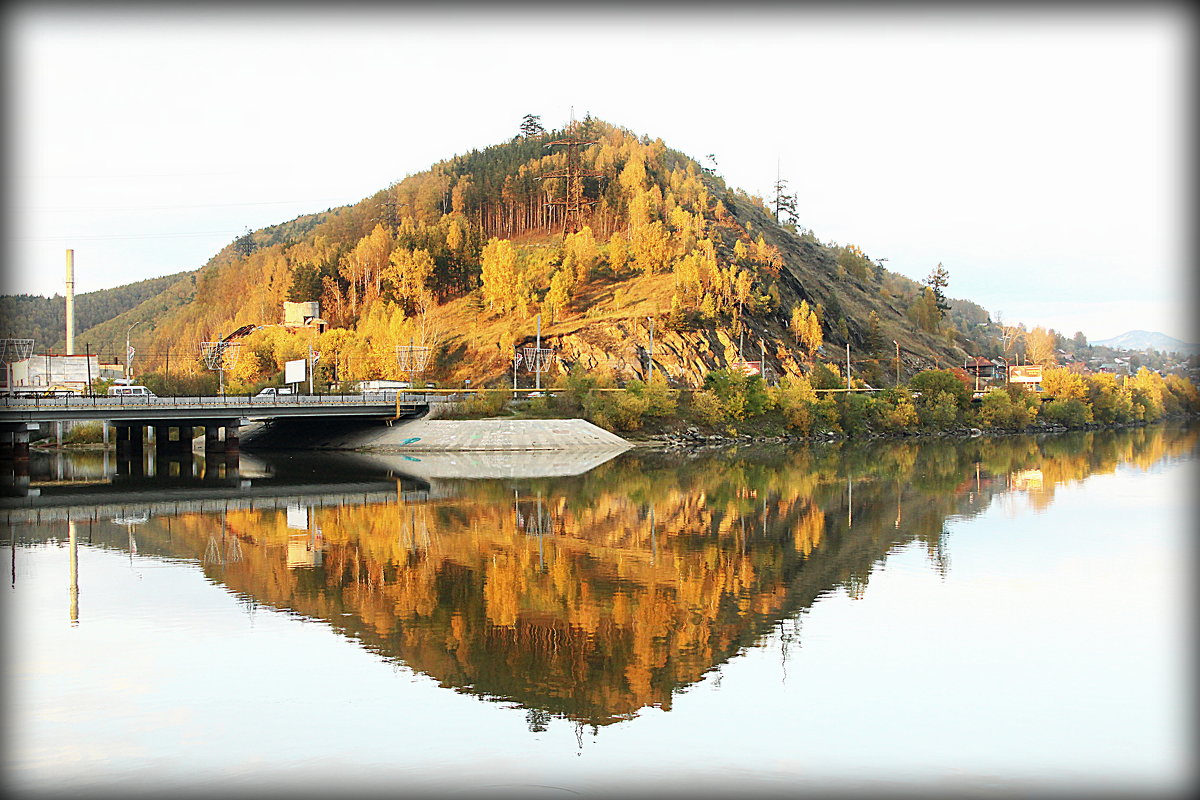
(1041,157)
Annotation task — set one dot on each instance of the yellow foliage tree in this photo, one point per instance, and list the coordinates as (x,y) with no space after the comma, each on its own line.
(499,275)
(805,326)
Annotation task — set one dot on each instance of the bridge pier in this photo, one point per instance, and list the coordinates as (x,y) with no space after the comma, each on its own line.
(130,442)
(14,440)
(213,443)
(165,444)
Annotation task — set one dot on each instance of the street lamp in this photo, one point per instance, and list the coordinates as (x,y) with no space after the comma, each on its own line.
(128,353)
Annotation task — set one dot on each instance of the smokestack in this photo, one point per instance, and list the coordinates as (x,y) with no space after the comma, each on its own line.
(70,302)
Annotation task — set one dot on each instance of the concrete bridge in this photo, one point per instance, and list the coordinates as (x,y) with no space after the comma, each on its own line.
(174,419)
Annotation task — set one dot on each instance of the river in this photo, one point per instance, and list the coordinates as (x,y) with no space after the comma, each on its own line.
(987,616)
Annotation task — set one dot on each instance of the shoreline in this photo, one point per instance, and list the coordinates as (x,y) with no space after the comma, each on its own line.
(549,435)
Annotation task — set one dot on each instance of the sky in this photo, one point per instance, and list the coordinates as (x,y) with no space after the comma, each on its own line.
(1041,156)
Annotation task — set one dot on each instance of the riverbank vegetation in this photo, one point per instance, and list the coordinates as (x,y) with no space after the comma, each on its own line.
(732,403)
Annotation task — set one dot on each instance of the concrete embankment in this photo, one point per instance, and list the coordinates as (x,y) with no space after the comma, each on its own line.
(421,435)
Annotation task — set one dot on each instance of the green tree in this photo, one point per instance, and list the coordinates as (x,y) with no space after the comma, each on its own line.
(938,280)
(531,126)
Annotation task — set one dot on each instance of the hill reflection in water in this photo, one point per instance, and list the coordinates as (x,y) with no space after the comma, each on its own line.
(595,593)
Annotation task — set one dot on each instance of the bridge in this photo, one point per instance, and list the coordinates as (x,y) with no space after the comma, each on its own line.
(173,419)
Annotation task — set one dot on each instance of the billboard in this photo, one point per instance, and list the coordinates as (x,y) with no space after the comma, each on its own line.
(747,367)
(1025,373)
(295,371)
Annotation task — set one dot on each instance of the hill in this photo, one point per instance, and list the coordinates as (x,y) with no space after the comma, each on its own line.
(1149,340)
(43,319)
(461,258)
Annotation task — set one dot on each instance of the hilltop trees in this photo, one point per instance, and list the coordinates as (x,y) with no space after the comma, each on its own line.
(531,126)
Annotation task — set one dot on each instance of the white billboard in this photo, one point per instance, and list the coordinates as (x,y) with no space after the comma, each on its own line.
(294,371)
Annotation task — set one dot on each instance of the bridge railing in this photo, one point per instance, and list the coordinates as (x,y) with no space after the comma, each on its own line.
(208,401)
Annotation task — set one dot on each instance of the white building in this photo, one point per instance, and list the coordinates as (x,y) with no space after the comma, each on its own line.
(55,372)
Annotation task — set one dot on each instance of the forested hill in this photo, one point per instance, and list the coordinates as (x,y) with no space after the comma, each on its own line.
(463,256)
(43,319)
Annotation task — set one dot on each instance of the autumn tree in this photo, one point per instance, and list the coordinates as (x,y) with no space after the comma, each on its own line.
(363,266)
(805,326)
(1039,347)
(409,272)
(499,275)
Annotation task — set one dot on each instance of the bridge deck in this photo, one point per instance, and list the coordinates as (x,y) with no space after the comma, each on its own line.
(153,409)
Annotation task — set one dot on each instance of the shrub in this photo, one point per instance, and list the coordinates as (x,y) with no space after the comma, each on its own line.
(84,433)
(931,382)
(1109,402)
(741,395)
(895,411)
(794,396)
(707,407)
(1072,413)
(659,399)
(825,376)
(825,416)
(487,403)
(999,409)
(856,412)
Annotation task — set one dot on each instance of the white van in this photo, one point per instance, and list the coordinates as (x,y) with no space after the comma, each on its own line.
(273,391)
(127,390)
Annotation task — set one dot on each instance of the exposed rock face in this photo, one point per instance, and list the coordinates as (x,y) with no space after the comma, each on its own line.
(682,356)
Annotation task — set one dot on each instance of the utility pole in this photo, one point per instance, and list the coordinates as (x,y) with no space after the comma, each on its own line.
(847,366)
(897,361)
(129,351)
(310,369)
(650,371)
(537,372)
(762,359)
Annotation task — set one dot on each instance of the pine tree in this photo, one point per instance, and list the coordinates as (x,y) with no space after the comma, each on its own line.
(938,280)
(531,126)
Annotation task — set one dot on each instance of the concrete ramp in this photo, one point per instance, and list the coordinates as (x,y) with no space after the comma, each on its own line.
(520,435)
(439,435)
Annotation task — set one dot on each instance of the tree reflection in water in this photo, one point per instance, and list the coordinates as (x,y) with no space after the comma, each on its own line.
(592,597)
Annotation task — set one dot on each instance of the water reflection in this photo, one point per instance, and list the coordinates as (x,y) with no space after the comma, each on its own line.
(586,591)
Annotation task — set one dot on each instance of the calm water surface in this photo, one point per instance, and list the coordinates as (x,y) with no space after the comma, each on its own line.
(989,616)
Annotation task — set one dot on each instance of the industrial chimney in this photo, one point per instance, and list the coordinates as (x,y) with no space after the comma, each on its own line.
(70,302)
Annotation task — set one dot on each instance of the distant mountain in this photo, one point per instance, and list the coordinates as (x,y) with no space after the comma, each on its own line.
(1149,340)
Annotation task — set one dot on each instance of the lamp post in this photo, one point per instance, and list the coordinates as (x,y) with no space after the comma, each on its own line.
(129,355)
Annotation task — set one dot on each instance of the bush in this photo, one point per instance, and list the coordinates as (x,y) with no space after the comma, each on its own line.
(931,382)
(825,376)
(856,411)
(1071,413)
(895,411)
(1109,402)
(659,399)
(487,403)
(707,407)
(825,416)
(999,409)
(741,395)
(794,397)
(84,433)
